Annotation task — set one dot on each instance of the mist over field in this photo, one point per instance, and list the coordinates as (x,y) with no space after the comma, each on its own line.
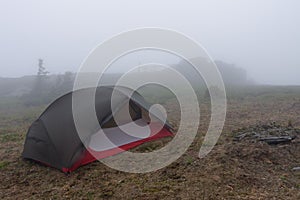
(261,37)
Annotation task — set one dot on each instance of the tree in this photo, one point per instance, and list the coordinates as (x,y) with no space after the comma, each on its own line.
(40,90)
(40,84)
(42,70)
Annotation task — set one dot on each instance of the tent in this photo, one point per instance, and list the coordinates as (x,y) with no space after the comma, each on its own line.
(53,139)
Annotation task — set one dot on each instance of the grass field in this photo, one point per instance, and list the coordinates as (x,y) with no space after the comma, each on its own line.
(233,170)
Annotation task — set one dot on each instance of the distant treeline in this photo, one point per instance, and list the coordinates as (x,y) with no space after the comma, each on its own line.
(43,88)
(231,74)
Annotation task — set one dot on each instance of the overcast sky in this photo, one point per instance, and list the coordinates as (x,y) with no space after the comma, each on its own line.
(261,36)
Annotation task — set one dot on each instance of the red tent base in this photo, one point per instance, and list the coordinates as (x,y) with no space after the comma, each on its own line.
(91,155)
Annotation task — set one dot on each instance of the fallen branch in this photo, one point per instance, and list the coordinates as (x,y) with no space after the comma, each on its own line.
(277,140)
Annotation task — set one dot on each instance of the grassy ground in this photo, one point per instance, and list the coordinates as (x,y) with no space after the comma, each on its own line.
(233,170)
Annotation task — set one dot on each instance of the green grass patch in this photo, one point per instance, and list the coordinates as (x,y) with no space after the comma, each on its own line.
(10,137)
(3,164)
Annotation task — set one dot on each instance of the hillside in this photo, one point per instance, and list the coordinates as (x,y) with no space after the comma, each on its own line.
(17,87)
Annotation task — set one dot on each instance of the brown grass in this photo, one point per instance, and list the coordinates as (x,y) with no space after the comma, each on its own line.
(233,170)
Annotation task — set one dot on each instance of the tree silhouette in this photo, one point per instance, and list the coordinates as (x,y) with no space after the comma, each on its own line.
(40,90)
(41,69)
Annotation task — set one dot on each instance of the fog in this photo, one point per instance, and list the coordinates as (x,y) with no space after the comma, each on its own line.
(262,37)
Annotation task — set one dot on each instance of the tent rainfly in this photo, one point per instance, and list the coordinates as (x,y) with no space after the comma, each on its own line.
(54,141)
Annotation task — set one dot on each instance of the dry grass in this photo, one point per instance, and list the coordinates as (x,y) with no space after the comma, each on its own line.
(233,170)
